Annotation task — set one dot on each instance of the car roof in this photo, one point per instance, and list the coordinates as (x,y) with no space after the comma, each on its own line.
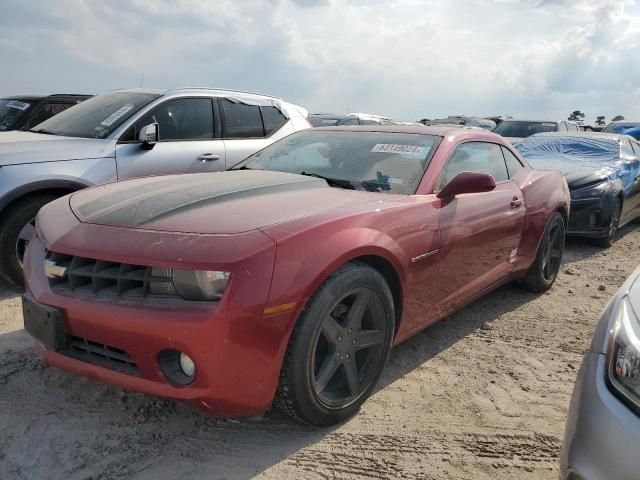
(436,130)
(594,135)
(191,90)
(41,97)
(534,120)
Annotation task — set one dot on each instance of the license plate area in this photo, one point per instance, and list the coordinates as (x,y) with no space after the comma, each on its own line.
(44,323)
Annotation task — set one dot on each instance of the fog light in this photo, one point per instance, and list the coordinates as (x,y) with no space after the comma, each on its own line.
(187,365)
(177,367)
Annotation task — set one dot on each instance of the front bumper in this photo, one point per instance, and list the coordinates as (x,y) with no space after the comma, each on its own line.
(236,349)
(589,218)
(602,434)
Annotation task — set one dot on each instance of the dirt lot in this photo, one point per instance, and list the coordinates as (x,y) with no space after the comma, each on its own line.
(483,394)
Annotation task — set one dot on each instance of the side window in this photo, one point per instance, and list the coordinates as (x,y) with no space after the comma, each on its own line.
(243,121)
(182,119)
(627,148)
(349,121)
(513,164)
(273,119)
(636,149)
(478,157)
(573,127)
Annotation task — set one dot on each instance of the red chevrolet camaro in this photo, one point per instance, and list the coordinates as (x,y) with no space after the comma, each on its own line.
(287,279)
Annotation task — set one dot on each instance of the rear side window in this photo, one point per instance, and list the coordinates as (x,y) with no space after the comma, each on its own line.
(273,119)
(476,157)
(513,164)
(243,121)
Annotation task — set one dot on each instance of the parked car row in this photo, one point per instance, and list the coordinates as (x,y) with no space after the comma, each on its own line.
(248,260)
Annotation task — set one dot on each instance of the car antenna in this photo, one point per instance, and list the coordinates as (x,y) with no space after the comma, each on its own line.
(141,80)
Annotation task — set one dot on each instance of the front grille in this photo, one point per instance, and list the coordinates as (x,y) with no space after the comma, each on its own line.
(88,275)
(100,354)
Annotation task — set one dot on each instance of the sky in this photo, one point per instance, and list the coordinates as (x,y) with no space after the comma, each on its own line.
(406,59)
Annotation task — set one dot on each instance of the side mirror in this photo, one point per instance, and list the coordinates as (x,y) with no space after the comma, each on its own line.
(149,136)
(467,182)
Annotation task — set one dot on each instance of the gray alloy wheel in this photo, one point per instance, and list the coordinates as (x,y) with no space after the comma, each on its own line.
(338,347)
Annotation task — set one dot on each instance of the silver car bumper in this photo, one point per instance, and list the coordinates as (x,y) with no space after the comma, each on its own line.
(602,437)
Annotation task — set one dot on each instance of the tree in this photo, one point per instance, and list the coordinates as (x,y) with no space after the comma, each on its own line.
(600,120)
(576,116)
(617,118)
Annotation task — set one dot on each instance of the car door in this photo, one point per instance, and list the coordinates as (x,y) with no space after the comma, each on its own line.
(189,140)
(480,232)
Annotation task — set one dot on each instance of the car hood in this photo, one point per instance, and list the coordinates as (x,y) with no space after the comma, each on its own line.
(578,173)
(212,203)
(28,147)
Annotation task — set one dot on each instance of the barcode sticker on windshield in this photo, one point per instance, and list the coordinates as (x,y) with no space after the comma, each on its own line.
(412,150)
(107,122)
(18,105)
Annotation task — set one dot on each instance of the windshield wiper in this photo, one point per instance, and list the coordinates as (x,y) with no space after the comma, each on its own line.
(336,182)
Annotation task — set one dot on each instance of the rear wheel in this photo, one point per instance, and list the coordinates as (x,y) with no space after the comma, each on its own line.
(544,270)
(339,347)
(15,233)
(612,232)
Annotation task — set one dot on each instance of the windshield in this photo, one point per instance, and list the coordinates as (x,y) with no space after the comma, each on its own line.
(571,152)
(11,111)
(624,128)
(373,161)
(521,129)
(97,117)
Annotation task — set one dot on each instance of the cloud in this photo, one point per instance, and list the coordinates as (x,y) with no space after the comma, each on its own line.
(403,58)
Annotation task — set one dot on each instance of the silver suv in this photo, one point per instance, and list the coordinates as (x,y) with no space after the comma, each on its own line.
(124,134)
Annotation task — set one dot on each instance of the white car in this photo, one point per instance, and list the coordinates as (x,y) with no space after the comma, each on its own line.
(125,134)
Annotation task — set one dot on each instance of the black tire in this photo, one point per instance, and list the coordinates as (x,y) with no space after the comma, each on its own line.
(16,218)
(327,373)
(614,222)
(544,270)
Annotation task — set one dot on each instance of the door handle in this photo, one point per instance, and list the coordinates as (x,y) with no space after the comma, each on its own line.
(208,157)
(517,203)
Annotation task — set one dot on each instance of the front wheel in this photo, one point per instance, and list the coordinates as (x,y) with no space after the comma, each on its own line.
(614,222)
(338,348)
(544,270)
(15,234)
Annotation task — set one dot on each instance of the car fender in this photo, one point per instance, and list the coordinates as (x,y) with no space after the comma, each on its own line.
(300,270)
(70,184)
(71,175)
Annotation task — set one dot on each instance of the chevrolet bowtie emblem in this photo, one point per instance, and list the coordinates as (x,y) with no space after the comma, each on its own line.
(51,270)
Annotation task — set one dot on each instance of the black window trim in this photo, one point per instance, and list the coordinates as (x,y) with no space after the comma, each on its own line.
(214,110)
(437,188)
(516,157)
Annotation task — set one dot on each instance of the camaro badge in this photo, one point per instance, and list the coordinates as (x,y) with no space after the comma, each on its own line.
(51,270)
(424,255)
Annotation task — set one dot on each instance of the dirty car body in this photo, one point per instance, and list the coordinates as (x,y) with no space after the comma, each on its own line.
(102,257)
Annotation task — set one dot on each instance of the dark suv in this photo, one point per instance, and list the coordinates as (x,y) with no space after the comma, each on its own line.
(23,112)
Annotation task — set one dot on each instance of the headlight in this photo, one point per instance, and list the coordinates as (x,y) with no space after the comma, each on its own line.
(189,284)
(623,355)
(593,191)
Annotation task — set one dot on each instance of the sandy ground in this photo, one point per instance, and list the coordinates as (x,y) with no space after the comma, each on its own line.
(483,394)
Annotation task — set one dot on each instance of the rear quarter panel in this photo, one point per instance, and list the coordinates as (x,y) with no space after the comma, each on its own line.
(544,192)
